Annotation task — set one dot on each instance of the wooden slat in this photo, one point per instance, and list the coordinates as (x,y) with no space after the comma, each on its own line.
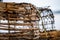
(19,19)
(18,29)
(7,35)
(4,38)
(21,24)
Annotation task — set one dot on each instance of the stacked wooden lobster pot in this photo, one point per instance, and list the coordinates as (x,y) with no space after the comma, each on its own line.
(18,21)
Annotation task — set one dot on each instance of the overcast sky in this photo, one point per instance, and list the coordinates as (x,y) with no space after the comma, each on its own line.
(55,4)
